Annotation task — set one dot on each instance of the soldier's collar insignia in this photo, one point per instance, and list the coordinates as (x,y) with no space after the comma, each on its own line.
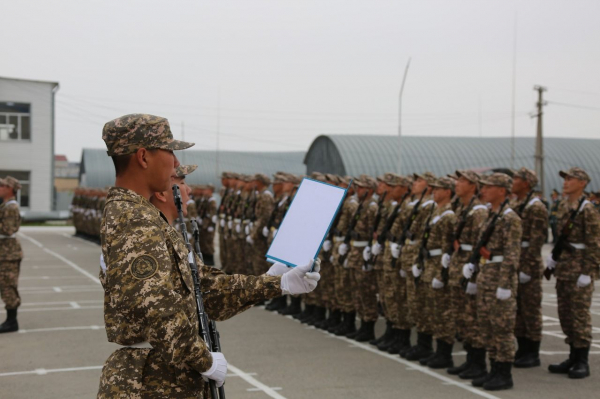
(143,267)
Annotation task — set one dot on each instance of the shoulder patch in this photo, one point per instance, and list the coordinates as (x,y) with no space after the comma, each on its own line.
(143,267)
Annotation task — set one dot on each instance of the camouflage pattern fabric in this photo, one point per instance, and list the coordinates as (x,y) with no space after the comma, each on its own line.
(10,253)
(207,238)
(9,281)
(263,209)
(344,278)
(574,312)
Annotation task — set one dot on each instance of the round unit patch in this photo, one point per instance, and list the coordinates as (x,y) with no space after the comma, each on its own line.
(144,266)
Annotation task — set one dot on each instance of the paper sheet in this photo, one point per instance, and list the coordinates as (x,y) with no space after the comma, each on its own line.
(306,223)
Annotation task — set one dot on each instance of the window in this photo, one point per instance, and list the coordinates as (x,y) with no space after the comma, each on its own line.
(23,193)
(15,121)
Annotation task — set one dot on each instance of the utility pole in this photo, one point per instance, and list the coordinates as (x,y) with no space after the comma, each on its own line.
(400,119)
(514,84)
(539,142)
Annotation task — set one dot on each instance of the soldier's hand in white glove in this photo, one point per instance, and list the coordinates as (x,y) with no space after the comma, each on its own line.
(300,280)
(550,263)
(402,273)
(445,260)
(215,219)
(327,245)
(238,228)
(468,270)
(222,223)
(247,230)
(503,294)
(471,289)
(437,284)
(395,250)
(278,269)
(210,229)
(583,281)
(265,232)
(524,278)
(376,250)
(343,249)
(416,271)
(249,240)
(367,254)
(229,224)
(218,370)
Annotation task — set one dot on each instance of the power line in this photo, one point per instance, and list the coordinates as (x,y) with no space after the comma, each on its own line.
(574,105)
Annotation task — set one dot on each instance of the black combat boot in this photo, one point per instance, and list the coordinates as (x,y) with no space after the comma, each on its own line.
(404,351)
(478,382)
(322,324)
(392,340)
(353,334)
(334,320)
(318,316)
(368,332)
(502,379)
(422,349)
(347,325)
(478,368)
(443,356)
(386,335)
(306,314)
(523,348)
(466,364)
(276,304)
(293,308)
(531,358)
(581,367)
(11,324)
(564,367)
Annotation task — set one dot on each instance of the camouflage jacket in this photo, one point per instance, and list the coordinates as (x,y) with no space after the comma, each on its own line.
(441,235)
(395,231)
(209,209)
(362,231)
(505,242)
(386,209)
(411,245)
(534,222)
(586,230)
(10,221)
(340,229)
(262,212)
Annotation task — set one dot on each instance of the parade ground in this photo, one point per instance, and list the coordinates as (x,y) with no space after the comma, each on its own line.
(61,346)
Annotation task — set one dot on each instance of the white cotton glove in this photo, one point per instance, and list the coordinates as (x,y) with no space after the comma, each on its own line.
(343,249)
(471,289)
(402,273)
(583,281)
(367,254)
(437,284)
(468,270)
(199,221)
(416,271)
(278,269)
(376,250)
(265,232)
(395,250)
(238,228)
(215,219)
(503,294)
(550,263)
(247,230)
(229,224)
(327,245)
(102,263)
(222,223)
(211,229)
(218,370)
(445,260)
(249,240)
(524,278)
(300,280)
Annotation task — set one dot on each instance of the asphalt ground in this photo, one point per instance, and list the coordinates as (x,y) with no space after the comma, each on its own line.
(61,347)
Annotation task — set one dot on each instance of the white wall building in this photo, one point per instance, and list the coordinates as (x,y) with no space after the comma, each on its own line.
(27,141)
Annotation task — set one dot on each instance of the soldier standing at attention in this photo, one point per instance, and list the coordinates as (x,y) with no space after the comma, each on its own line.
(10,252)
(555,197)
(497,283)
(264,207)
(534,222)
(575,271)
(208,219)
(226,193)
(148,289)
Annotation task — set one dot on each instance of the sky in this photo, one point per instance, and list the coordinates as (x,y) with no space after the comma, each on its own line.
(266,75)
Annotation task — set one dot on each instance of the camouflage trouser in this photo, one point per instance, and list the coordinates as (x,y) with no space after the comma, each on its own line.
(343,288)
(365,295)
(381,291)
(464,317)
(139,373)
(9,280)
(224,251)
(207,242)
(259,261)
(443,315)
(497,323)
(574,312)
(419,304)
(529,310)
(395,299)
(327,283)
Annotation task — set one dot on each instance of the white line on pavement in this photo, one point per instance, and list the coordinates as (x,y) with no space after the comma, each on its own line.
(47,371)
(253,381)
(61,302)
(49,329)
(91,244)
(51,309)
(50,278)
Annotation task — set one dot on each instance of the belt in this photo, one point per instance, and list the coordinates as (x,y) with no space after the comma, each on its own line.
(577,245)
(11,236)
(236,220)
(466,247)
(338,239)
(360,244)
(435,252)
(525,244)
(410,242)
(495,259)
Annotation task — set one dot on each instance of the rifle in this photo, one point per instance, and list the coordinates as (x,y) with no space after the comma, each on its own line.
(374,229)
(480,250)
(390,222)
(561,242)
(222,204)
(521,207)
(204,327)
(423,253)
(409,222)
(351,227)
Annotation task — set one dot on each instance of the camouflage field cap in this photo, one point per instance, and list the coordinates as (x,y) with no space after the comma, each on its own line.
(497,179)
(469,175)
(333,179)
(393,179)
(247,178)
(577,173)
(280,177)
(453,176)
(528,175)
(226,175)
(366,181)
(318,176)
(427,176)
(128,133)
(444,182)
(184,170)
(11,182)
(261,177)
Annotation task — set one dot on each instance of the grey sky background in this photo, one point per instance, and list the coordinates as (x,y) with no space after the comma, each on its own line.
(283,72)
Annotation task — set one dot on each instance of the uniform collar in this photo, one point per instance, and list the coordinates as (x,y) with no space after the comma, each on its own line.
(127,195)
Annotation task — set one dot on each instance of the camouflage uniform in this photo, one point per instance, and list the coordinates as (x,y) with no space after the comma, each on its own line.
(343,282)
(208,216)
(11,253)
(264,208)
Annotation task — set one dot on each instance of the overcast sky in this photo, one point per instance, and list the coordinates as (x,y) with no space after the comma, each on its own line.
(283,72)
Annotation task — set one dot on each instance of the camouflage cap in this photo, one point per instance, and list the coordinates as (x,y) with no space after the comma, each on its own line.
(366,181)
(469,175)
(444,182)
(247,178)
(236,176)
(227,175)
(393,179)
(11,182)
(497,179)
(333,179)
(127,134)
(577,173)
(427,176)
(184,170)
(453,176)
(318,176)
(528,175)
(279,177)
(261,177)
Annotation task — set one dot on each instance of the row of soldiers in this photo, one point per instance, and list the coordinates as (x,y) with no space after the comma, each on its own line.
(453,257)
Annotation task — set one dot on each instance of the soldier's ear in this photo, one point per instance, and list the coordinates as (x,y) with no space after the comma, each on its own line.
(141,157)
(161,196)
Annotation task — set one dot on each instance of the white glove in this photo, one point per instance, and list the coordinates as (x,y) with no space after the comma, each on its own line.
(550,263)
(215,219)
(218,370)
(211,229)
(249,240)
(468,270)
(471,289)
(437,284)
(376,250)
(445,260)
(524,278)
(229,224)
(402,273)
(502,294)
(247,230)
(327,246)
(416,271)
(222,223)
(395,250)
(367,254)
(238,228)
(300,280)
(583,281)
(343,249)
(199,221)
(278,269)
(265,231)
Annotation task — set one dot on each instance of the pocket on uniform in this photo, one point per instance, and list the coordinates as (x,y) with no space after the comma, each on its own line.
(183,266)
